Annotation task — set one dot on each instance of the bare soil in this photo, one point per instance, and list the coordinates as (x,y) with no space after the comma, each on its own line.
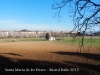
(49,54)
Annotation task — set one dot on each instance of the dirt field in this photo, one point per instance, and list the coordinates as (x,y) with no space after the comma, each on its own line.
(48,54)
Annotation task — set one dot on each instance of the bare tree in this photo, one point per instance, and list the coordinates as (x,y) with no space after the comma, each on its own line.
(85,14)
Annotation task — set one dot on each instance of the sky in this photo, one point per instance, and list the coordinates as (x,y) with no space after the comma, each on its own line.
(32,15)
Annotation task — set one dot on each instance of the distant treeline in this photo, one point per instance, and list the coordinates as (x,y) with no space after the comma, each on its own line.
(28,34)
(32,34)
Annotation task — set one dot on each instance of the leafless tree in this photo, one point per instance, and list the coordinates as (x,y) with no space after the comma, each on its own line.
(85,14)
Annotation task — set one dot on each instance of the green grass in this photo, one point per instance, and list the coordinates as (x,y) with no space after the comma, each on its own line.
(21,40)
(32,39)
(66,40)
(87,41)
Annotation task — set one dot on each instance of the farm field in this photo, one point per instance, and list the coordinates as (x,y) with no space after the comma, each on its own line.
(95,41)
(88,41)
(35,53)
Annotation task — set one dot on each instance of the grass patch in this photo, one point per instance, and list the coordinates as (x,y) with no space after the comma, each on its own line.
(32,39)
(87,41)
(66,40)
(21,40)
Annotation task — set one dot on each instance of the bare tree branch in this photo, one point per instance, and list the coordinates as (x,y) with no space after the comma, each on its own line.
(86,14)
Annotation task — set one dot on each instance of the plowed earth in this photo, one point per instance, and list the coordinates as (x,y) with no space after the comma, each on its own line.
(52,52)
